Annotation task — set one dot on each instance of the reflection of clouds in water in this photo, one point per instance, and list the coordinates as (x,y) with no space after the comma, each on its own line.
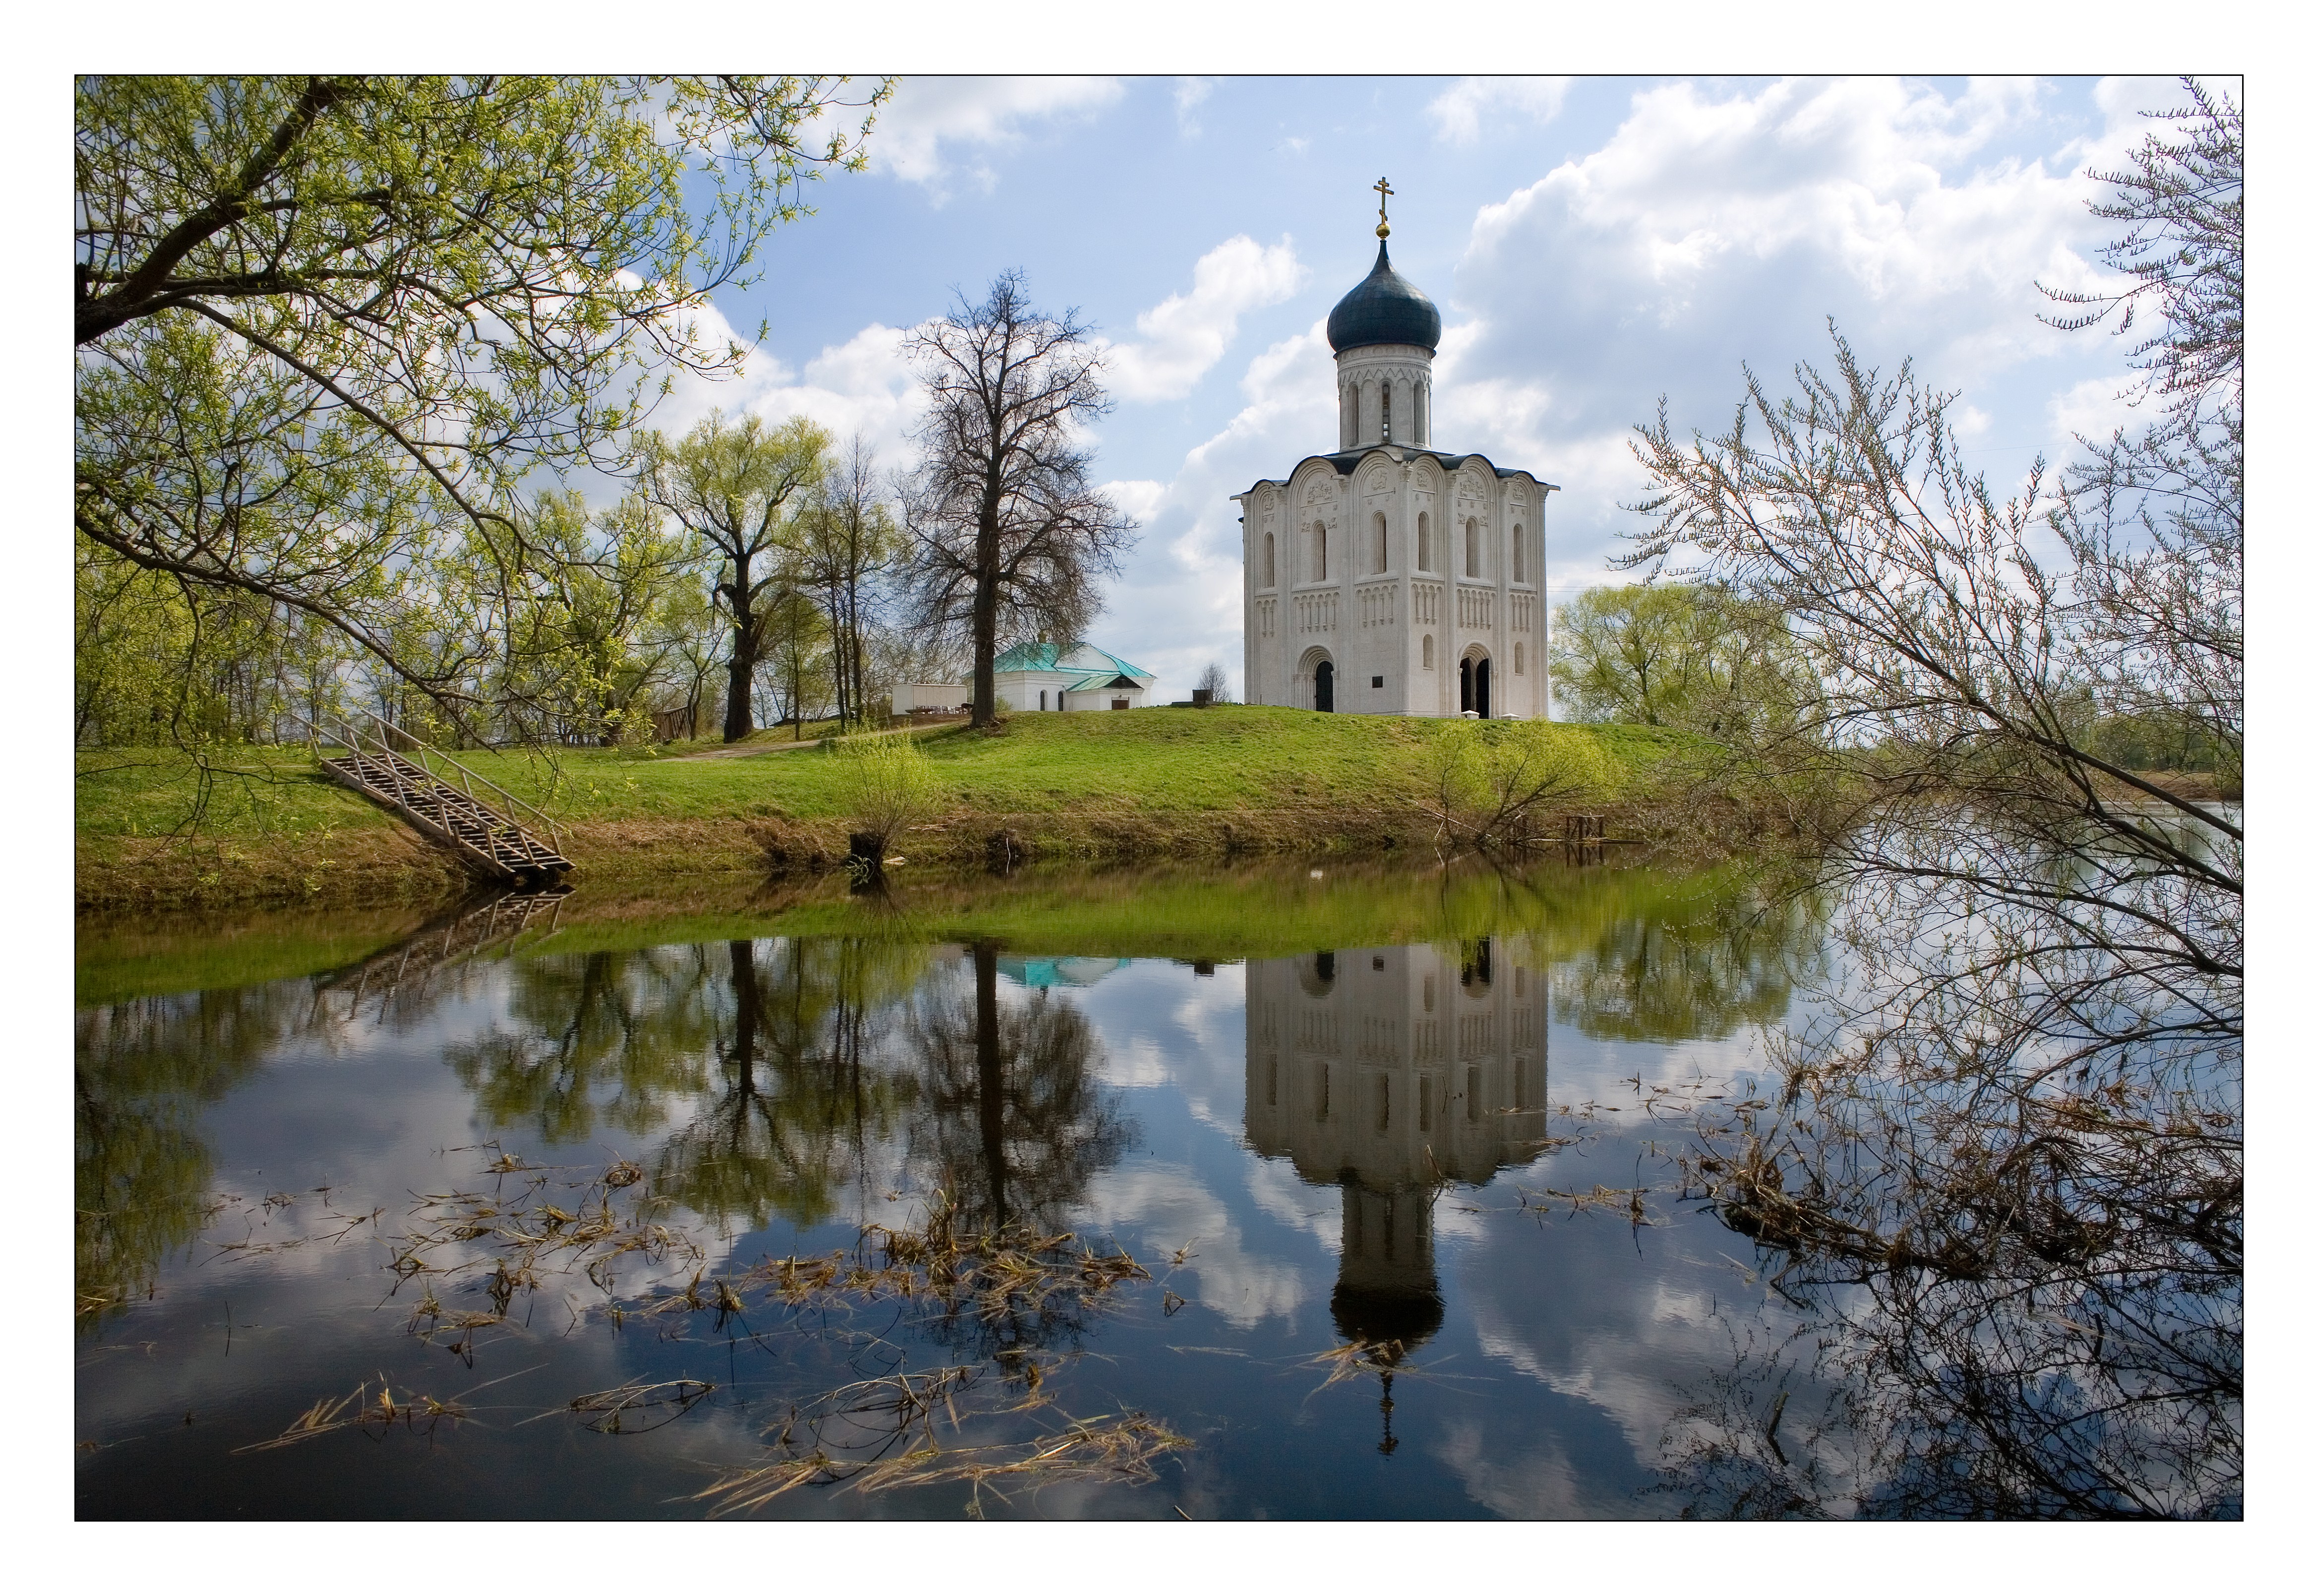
(1136,1061)
(1165,1028)
(1171,1208)
(1531,1481)
(1560,1303)
(1282,1193)
(1585,1069)
(1453,1219)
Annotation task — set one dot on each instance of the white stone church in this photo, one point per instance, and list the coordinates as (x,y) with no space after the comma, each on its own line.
(1391,577)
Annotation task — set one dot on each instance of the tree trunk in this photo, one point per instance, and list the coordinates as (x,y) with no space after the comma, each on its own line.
(739,719)
(986,618)
(991,1071)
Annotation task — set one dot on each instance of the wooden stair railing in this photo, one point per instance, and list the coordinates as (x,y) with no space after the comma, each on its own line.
(437,795)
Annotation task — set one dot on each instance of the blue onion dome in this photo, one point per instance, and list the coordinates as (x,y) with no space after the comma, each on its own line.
(1385,308)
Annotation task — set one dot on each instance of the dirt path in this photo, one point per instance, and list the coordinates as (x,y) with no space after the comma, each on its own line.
(750,750)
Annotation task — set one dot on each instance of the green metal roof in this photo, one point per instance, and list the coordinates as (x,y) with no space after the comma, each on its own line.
(1049,656)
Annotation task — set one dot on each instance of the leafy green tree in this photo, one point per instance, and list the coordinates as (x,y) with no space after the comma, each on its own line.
(588,645)
(797,647)
(326,325)
(1674,654)
(738,486)
(847,541)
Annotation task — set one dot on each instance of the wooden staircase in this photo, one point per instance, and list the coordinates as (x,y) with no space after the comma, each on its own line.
(437,795)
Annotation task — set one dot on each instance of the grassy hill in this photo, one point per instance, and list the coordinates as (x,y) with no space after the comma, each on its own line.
(1147,782)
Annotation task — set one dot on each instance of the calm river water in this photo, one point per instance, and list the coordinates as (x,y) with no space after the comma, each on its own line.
(488,1220)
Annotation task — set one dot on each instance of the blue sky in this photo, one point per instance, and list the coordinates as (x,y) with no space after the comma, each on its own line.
(1592,244)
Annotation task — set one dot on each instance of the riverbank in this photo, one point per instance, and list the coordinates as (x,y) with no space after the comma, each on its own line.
(261,826)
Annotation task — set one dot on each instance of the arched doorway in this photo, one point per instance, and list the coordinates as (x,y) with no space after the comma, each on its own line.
(1316,681)
(1473,684)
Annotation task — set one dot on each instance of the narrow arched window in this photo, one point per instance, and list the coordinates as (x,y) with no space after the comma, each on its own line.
(1387,433)
(1271,561)
(1428,653)
(1517,659)
(1380,543)
(1517,555)
(1319,550)
(1472,548)
(1423,541)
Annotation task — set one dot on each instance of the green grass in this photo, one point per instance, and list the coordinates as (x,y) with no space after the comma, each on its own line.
(1264,910)
(124,958)
(1230,758)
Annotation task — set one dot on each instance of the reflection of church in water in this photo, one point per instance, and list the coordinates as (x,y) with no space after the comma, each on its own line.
(1392,1072)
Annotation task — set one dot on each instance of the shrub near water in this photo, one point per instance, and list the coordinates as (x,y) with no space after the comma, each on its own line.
(886,784)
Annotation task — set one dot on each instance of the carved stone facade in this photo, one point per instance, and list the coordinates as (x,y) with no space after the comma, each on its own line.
(1416,577)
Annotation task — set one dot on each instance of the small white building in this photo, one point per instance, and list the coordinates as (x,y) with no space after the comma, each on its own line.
(1391,576)
(933,696)
(1078,676)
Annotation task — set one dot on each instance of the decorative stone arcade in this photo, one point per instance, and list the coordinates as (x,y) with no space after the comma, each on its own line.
(1389,577)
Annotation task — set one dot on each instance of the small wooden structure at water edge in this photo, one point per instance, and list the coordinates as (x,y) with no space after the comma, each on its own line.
(495,833)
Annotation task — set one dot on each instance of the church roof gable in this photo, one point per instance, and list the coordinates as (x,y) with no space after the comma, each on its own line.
(1085,657)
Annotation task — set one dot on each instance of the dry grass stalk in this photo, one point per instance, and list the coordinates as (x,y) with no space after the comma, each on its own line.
(359,1411)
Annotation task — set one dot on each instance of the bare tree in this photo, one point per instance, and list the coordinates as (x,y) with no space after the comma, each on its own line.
(849,540)
(1007,534)
(1215,684)
(734,484)
(2007,1160)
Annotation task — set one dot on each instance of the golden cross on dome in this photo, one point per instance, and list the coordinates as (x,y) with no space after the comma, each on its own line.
(1384,192)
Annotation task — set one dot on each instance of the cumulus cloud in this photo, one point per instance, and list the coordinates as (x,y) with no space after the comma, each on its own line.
(1716,229)
(1190,92)
(1185,335)
(864,385)
(936,130)
(1471,106)
(1711,229)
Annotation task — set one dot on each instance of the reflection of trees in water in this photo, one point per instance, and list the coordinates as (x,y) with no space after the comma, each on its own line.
(1698,969)
(768,1047)
(2004,1180)
(1012,1122)
(802,1096)
(142,1073)
(796,1062)
(590,1040)
(1011,1126)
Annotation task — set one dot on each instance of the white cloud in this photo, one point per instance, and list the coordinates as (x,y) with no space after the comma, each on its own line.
(1173,1207)
(936,130)
(2094,409)
(862,385)
(1466,108)
(1711,229)
(1190,92)
(1184,334)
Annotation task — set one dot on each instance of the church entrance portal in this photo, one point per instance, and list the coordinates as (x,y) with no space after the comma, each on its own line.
(1473,686)
(1324,687)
